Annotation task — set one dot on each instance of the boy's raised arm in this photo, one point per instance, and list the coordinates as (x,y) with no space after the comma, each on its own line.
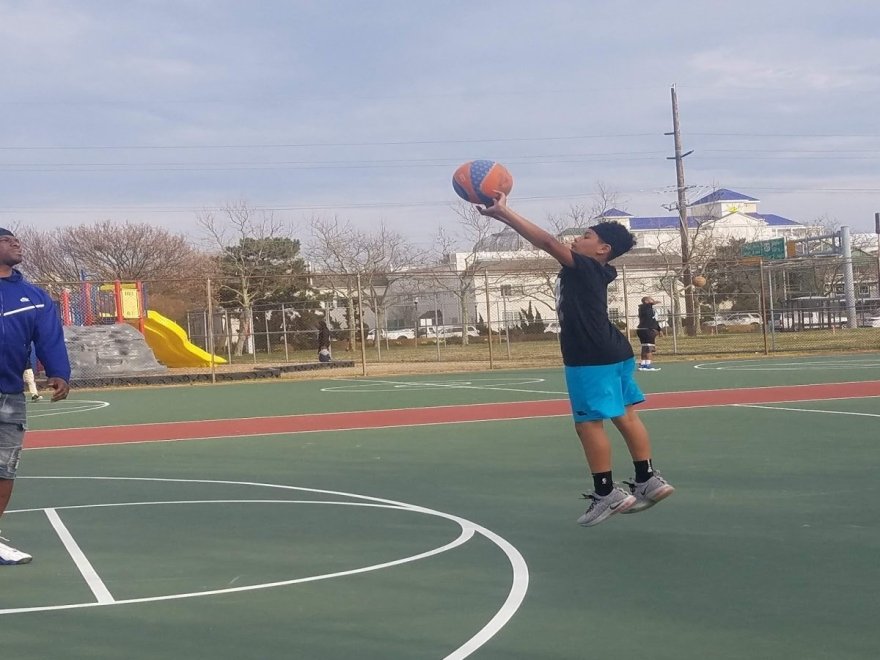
(540,238)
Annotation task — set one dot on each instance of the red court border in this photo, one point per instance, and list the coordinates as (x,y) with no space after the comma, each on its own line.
(372,419)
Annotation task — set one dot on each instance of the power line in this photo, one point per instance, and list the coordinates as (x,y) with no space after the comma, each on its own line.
(376,143)
(384,204)
(323,144)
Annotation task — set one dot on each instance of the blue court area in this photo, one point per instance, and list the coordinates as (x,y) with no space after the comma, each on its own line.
(451,540)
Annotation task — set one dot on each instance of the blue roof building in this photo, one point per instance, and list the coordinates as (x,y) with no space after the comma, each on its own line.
(718,217)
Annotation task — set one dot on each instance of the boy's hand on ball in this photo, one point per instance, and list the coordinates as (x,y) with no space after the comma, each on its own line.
(497,209)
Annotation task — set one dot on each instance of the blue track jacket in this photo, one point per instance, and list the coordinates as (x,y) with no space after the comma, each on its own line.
(27,315)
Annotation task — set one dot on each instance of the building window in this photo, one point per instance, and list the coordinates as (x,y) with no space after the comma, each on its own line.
(506,290)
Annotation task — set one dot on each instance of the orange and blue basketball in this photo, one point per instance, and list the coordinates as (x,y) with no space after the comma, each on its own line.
(476,181)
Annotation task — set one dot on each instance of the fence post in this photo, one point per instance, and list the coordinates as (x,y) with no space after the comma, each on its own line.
(268,337)
(674,306)
(436,326)
(488,318)
(209,330)
(284,333)
(764,308)
(772,312)
(361,327)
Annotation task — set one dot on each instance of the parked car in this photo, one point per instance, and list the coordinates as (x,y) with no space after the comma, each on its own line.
(451,331)
(553,326)
(873,321)
(722,321)
(400,333)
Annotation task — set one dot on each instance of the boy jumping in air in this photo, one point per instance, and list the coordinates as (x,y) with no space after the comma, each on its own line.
(599,361)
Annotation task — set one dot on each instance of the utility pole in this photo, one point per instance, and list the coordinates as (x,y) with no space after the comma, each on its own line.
(690,325)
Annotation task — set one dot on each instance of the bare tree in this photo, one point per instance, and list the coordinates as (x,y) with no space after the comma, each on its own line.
(109,251)
(457,268)
(252,250)
(581,216)
(340,253)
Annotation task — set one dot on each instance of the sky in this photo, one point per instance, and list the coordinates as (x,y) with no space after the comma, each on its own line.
(154,111)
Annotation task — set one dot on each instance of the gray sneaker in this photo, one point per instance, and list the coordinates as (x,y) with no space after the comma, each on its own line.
(648,493)
(601,507)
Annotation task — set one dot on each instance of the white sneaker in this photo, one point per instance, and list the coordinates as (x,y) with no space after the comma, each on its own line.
(9,555)
(37,397)
(643,368)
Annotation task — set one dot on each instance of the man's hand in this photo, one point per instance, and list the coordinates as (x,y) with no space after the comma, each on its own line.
(62,389)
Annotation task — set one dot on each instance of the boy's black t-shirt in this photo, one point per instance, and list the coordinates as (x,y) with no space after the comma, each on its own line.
(587,335)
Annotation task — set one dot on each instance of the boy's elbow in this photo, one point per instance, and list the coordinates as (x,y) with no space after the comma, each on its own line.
(549,244)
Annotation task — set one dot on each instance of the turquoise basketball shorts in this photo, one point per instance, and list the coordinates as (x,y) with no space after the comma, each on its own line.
(602,391)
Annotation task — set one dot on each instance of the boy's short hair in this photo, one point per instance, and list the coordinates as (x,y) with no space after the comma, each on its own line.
(615,235)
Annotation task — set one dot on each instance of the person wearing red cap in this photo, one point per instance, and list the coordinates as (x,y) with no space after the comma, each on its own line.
(599,361)
(27,317)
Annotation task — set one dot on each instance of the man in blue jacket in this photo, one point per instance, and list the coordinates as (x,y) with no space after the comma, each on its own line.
(27,316)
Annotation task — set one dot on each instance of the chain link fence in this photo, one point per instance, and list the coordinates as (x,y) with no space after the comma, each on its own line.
(495,313)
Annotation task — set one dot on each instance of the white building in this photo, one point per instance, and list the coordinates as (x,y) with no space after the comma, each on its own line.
(720,216)
(651,267)
(518,275)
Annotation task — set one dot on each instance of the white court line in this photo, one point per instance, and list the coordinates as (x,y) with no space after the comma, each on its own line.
(515,596)
(428,385)
(812,410)
(801,365)
(96,584)
(76,405)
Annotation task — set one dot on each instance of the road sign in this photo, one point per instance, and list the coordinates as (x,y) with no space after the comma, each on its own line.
(773,248)
(749,261)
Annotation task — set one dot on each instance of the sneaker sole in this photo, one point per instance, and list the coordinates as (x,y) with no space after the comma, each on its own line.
(623,507)
(661,494)
(26,560)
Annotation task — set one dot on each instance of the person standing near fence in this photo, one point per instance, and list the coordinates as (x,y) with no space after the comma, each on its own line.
(599,361)
(647,331)
(324,354)
(27,317)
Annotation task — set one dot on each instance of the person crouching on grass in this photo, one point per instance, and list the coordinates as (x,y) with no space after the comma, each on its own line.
(599,361)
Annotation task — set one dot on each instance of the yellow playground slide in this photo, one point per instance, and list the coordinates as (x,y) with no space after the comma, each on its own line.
(171,346)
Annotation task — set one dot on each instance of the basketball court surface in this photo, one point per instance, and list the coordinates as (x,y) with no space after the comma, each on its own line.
(434,517)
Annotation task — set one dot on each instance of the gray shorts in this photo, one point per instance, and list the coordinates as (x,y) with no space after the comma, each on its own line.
(13,424)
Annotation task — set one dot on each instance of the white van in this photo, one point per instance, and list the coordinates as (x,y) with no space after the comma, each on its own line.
(400,333)
(451,331)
